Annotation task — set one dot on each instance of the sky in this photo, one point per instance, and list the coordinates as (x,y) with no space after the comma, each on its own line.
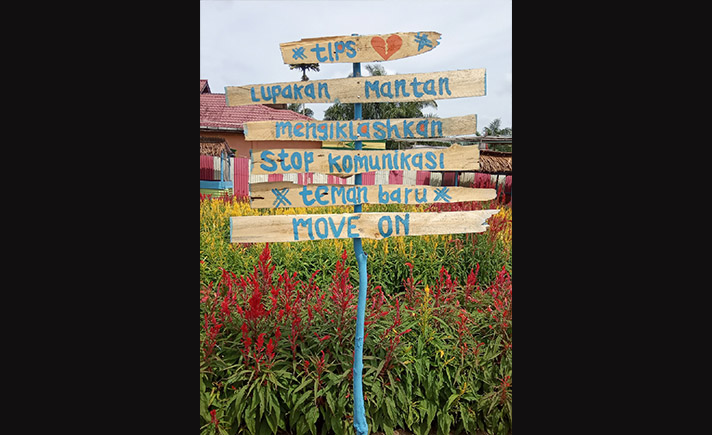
(239,44)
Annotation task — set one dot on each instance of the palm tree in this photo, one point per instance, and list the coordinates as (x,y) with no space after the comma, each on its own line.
(494,129)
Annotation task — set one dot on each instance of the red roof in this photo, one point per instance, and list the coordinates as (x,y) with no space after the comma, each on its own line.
(204,86)
(214,113)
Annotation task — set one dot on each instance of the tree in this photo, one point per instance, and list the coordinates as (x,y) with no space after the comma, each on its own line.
(409,109)
(300,108)
(493,129)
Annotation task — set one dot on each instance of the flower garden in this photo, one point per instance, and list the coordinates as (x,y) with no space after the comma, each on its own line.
(277,325)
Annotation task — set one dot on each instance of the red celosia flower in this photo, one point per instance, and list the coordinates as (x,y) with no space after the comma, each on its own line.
(213,418)
(270,350)
(260,341)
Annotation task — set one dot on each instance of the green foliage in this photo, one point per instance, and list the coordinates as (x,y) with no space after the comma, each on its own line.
(277,353)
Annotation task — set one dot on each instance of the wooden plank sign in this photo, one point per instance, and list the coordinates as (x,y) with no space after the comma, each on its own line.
(348,162)
(371,89)
(295,228)
(379,129)
(343,145)
(362,48)
(281,194)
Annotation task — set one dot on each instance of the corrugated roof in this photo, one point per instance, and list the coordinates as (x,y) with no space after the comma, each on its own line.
(215,114)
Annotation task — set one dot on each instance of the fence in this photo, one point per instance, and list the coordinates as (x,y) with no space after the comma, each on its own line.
(241,178)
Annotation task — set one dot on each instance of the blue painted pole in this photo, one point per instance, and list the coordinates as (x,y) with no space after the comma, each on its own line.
(360,424)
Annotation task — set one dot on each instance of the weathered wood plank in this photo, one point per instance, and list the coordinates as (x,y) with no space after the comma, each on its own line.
(371,89)
(283,195)
(380,129)
(348,162)
(362,48)
(292,228)
(349,145)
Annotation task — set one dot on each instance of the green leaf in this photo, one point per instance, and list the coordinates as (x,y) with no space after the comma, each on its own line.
(255,402)
(250,421)
(410,417)
(273,379)
(400,394)
(264,427)
(304,383)
(467,421)
(302,426)
(276,410)
(204,407)
(377,394)
(387,428)
(262,393)
(432,410)
(272,422)
(336,425)
(240,402)
(301,399)
(312,417)
(391,409)
(451,399)
(330,402)
(418,364)
(444,422)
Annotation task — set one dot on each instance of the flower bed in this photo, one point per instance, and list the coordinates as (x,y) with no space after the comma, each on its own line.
(459,253)
(276,346)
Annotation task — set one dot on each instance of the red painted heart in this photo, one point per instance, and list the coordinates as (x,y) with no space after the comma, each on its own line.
(394,43)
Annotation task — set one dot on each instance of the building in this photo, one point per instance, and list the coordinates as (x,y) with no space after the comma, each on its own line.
(217,119)
(223,148)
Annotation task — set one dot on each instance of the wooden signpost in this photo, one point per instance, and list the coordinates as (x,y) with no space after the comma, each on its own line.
(301,227)
(281,194)
(362,48)
(373,89)
(347,162)
(357,90)
(378,129)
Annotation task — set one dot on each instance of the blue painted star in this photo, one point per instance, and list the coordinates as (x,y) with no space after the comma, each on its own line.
(298,53)
(423,41)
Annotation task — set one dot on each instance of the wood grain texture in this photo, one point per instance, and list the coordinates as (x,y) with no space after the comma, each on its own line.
(350,162)
(284,195)
(292,228)
(370,89)
(377,129)
(362,48)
